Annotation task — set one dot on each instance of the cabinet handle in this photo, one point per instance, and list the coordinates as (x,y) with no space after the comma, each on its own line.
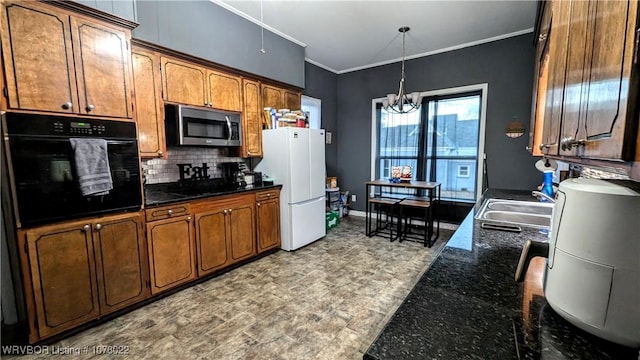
(258,204)
(544,146)
(230,211)
(568,142)
(205,103)
(528,148)
(210,104)
(90,107)
(98,226)
(160,153)
(188,218)
(67,105)
(224,211)
(542,37)
(86,228)
(169,212)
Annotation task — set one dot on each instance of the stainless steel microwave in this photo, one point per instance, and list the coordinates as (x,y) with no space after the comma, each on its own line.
(189,125)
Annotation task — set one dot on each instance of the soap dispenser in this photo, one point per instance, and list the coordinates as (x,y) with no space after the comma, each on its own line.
(547,185)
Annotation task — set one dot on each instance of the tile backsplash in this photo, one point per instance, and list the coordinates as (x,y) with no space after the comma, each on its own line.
(597,173)
(166,170)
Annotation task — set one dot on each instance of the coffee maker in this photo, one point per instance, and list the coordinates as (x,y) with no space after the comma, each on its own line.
(233,174)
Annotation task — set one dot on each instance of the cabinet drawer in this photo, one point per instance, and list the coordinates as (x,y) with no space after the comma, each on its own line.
(266,195)
(166,212)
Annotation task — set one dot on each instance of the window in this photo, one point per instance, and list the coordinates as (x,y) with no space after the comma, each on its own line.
(440,142)
(463,170)
(314,107)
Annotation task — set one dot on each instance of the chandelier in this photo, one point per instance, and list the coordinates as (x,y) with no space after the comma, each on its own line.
(402,102)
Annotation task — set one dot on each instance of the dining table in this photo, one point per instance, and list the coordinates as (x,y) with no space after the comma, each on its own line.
(405,194)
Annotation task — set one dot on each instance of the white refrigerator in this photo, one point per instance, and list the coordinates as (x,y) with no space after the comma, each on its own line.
(294,157)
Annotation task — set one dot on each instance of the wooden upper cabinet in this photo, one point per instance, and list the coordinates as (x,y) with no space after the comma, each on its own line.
(225,91)
(592,97)
(292,100)
(609,124)
(251,120)
(38,58)
(541,75)
(554,96)
(103,69)
(121,261)
(171,252)
(58,62)
(149,106)
(184,82)
(272,97)
(574,85)
(62,276)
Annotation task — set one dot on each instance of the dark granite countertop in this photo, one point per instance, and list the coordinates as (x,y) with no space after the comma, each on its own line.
(468,306)
(168,193)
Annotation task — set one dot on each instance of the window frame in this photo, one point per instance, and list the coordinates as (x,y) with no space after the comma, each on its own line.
(483,88)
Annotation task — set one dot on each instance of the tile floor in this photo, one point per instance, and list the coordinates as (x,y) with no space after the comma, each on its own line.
(328,300)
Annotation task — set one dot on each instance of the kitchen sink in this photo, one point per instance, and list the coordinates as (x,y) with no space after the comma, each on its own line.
(512,212)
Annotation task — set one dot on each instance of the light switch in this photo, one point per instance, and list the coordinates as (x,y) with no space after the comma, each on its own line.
(327,137)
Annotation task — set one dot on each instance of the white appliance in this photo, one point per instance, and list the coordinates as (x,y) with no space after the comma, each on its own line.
(593,268)
(294,157)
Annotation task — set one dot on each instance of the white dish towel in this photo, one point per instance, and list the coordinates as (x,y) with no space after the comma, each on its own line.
(92,166)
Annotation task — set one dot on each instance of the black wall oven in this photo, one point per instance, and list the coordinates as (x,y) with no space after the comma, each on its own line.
(42,168)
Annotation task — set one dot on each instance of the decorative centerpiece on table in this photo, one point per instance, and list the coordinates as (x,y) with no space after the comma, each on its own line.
(406,173)
(396,172)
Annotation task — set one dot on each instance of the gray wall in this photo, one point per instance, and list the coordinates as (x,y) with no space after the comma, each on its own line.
(123,8)
(206,30)
(322,84)
(506,65)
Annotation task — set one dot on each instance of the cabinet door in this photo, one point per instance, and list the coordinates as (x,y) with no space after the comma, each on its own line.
(121,261)
(241,236)
(184,83)
(609,122)
(103,69)
(39,66)
(62,272)
(272,97)
(251,120)
(171,253)
(225,91)
(541,74)
(575,86)
(555,83)
(149,107)
(292,100)
(211,240)
(268,224)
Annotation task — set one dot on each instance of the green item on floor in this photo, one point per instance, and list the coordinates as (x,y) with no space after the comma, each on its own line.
(332,219)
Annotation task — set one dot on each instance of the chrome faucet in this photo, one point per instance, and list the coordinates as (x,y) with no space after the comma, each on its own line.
(541,196)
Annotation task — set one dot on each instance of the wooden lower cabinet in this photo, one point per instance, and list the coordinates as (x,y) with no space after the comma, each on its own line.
(76,271)
(121,261)
(225,232)
(211,240)
(268,220)
(171,252)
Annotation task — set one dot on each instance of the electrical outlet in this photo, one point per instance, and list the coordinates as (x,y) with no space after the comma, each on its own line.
(353,198)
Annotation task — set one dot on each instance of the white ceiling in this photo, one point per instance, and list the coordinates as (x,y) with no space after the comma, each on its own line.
(343,36)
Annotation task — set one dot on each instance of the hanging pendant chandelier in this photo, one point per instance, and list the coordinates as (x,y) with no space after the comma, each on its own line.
(402,102)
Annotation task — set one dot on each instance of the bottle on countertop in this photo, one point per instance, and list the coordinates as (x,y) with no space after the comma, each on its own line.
(547,185)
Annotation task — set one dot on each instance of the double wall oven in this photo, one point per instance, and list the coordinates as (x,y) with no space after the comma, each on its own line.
(42,168)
